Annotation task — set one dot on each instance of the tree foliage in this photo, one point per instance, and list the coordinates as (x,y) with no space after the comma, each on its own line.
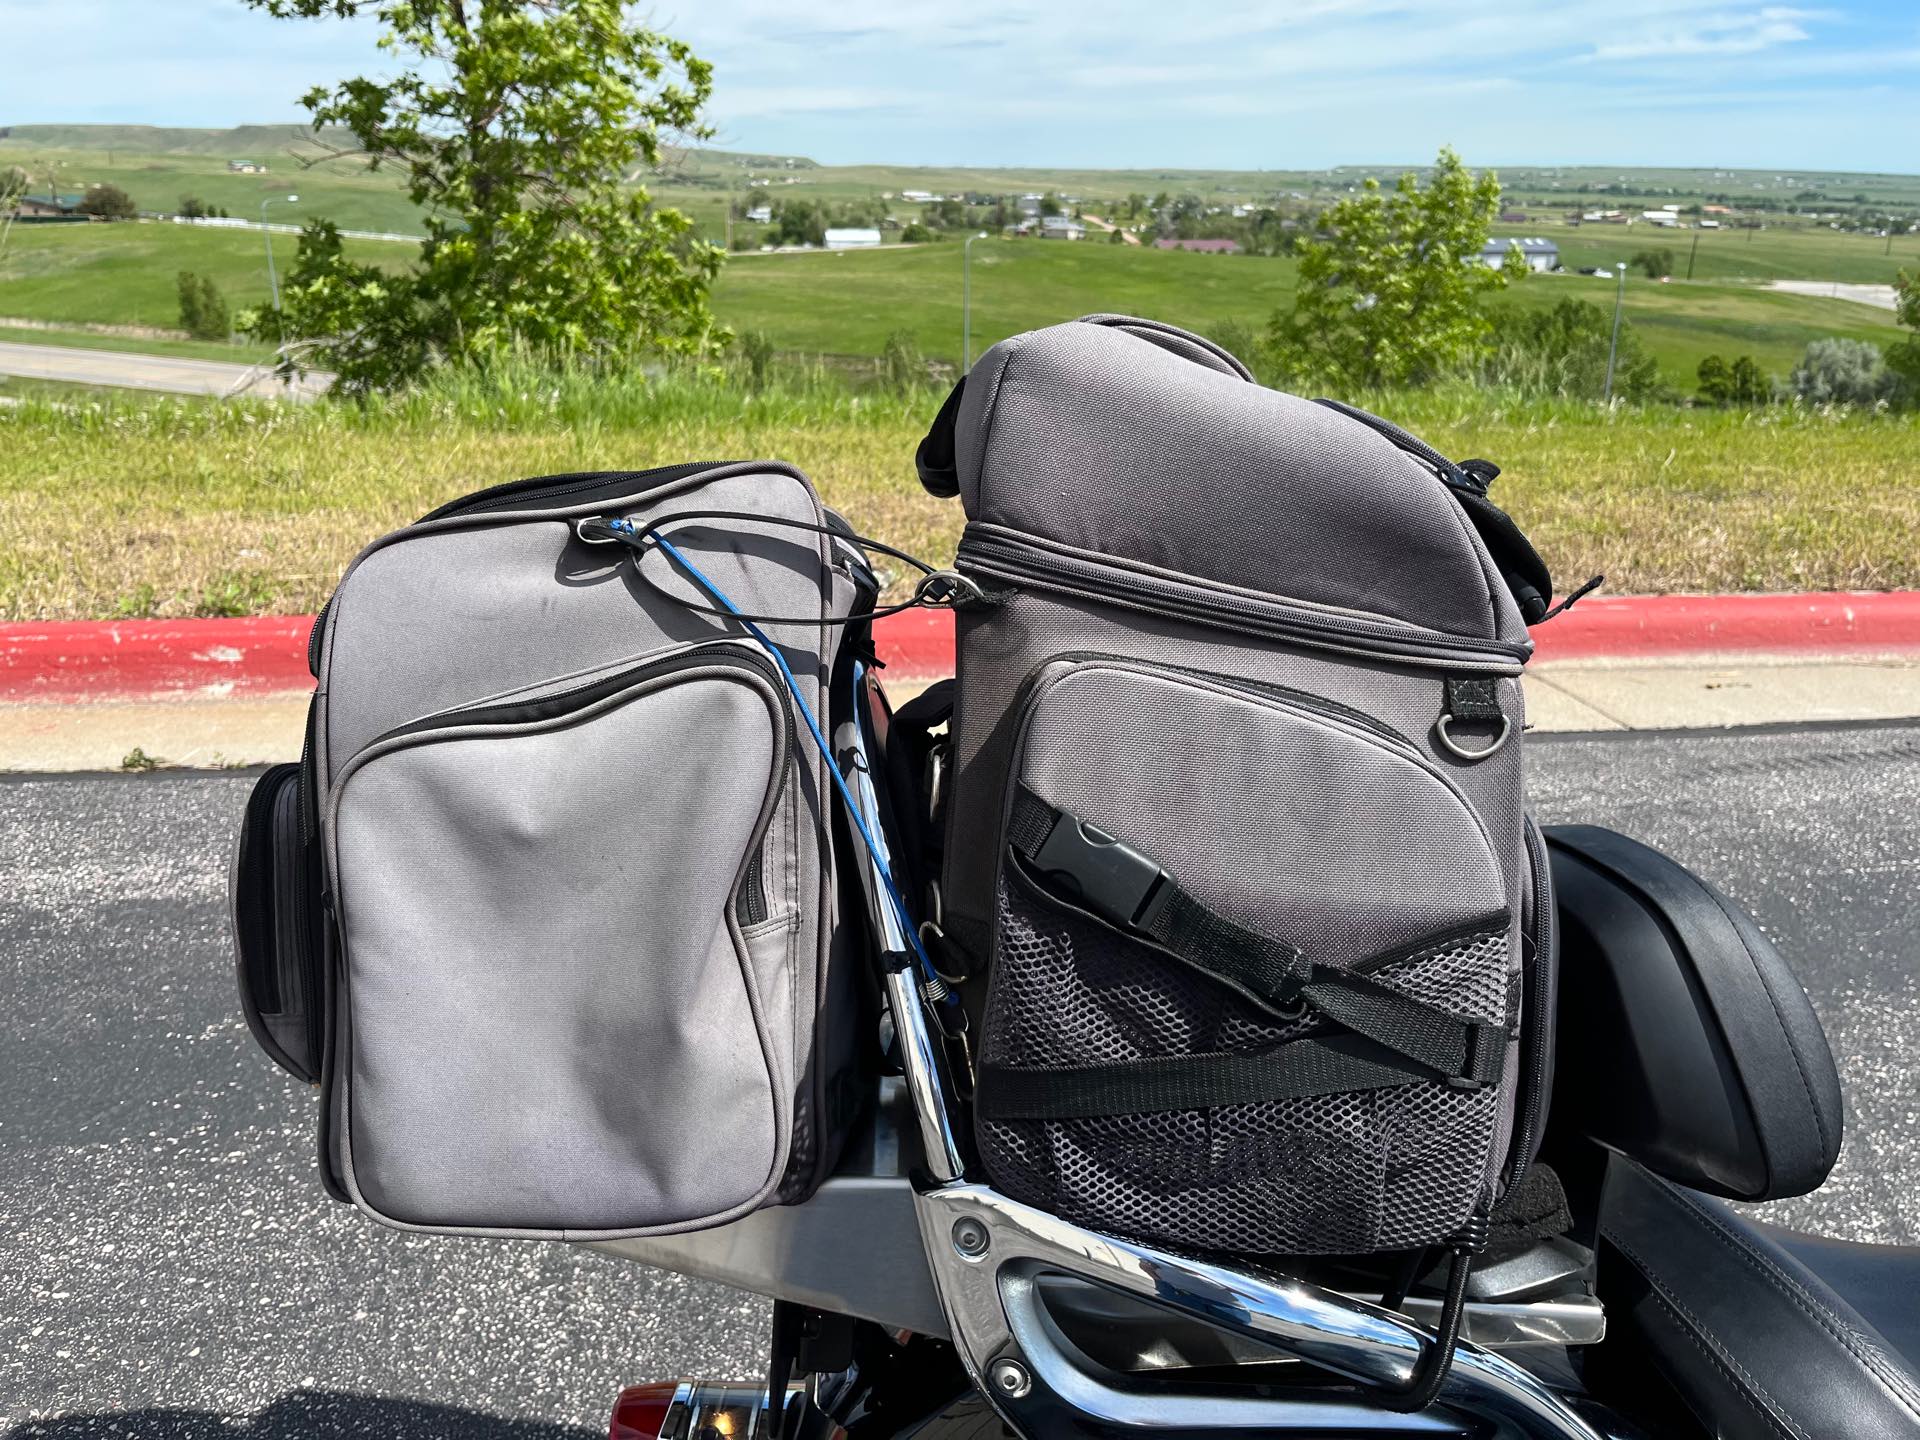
(1844,372)
(108,202)
(517,125)
(203,309)
(1563,351)
(1741,383)
(1654,264)
(1904,358)
(1392,294)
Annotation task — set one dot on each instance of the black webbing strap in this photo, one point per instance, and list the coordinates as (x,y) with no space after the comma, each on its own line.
(1123,887)
(1187,1082)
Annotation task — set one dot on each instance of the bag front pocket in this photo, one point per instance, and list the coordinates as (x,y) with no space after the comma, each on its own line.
(554,1023)
(278,926)
(1252,974)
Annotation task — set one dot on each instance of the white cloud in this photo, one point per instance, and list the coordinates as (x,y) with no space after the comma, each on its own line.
(1723,35)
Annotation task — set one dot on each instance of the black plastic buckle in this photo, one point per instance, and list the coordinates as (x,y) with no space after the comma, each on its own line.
(1485,1060)
(1108,876)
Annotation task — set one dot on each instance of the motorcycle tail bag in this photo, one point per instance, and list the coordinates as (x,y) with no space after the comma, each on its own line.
(548,908)
(1236,837)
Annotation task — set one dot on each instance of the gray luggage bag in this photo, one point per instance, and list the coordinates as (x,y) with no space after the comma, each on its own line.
(549,910)
(1236,833)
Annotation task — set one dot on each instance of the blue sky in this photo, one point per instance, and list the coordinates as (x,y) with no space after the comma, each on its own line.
(1292,83)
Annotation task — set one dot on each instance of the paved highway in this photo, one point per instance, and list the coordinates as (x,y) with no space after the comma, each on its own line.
(132,371)
(169,1267)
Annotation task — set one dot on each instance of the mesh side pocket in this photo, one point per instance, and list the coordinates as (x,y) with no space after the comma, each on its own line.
(1331,1174)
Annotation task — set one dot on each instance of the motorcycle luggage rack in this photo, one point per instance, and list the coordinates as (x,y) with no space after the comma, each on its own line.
(993,1261)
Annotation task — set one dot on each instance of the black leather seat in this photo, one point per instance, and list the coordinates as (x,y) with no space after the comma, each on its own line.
(1762,1332)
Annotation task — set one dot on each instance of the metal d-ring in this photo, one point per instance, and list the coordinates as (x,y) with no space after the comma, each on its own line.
(1440,729)
(945,589)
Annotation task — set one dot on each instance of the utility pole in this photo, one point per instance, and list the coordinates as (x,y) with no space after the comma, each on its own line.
(1693,252)
(966,301)
(1613,345)
(273,280)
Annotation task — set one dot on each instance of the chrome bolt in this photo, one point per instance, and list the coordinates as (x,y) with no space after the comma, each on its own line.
(970,1238)
(1011,1379)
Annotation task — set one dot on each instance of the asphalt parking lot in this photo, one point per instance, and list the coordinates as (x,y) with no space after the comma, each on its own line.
(170,1268)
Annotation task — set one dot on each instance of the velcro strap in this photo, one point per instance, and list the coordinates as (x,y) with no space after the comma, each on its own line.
(1125,888)
(1332,1066)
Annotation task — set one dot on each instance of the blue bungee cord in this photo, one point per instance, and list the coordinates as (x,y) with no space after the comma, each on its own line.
(630,532)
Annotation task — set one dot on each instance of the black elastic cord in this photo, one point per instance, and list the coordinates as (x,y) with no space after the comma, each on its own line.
(1580,593)
(1430,1371)
(1336,1065)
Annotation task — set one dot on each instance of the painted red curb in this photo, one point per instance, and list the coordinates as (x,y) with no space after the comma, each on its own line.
(267,655)
(1654,627)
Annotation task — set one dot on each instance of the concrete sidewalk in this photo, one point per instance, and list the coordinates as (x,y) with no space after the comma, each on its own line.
(1570,696)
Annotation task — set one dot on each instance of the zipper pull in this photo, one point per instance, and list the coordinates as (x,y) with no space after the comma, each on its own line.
(1479,474)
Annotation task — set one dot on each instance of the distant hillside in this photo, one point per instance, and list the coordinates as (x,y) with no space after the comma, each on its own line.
(239,142)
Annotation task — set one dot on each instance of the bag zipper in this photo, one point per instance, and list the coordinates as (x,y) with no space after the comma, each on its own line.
(987,551)
(514,493)
(1378,732)
(1544,935)
(579,697)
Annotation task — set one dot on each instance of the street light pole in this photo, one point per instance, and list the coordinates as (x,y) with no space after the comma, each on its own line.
(1613,345)
(966,301)
(273,280)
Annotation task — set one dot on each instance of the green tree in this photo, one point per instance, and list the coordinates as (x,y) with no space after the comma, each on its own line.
(1116,236)
(946,214)
(1654,264)
(192,207)
(1843,372)
(203,310)
(107,202)
(516,124)
(1513,265)
(799,222)
(1388,297)
(915,233)
(1050,204)
(1750,383)
(1904,358)
(1563,351)
(1716,380)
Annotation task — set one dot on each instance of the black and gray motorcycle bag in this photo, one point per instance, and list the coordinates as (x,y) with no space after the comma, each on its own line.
(548,910)
(1236,834)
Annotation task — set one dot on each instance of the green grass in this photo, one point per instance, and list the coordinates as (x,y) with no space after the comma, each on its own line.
(126,273)
(847,303)
(1683,323)
(216,508)
(1798,251)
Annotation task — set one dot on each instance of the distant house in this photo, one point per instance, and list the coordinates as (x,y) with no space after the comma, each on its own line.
(851,239)
(1709,225)
(45,209)
(1061,227)
(1715,210)
(760,214)
(1203,247)
(917,197)
(1513,217)
(1541,255)
(246,167)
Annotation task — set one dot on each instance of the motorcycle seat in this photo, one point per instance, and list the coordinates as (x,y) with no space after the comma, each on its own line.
(1763,1333)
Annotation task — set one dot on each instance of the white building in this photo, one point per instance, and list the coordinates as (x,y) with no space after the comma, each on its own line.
(1061,227)
(917,197)
(1541,255)
(852,239)
(760,214)
(1667,219)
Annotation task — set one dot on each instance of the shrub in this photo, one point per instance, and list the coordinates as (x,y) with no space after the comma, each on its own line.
(1843,372)
(1654,264)
(203,311)
(902,366)
(1741,383)
(1563,351)
(756,356)
(915,233)
(108,202)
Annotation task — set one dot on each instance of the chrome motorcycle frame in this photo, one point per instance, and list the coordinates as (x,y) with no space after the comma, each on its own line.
(907,1237)
(990,1258)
